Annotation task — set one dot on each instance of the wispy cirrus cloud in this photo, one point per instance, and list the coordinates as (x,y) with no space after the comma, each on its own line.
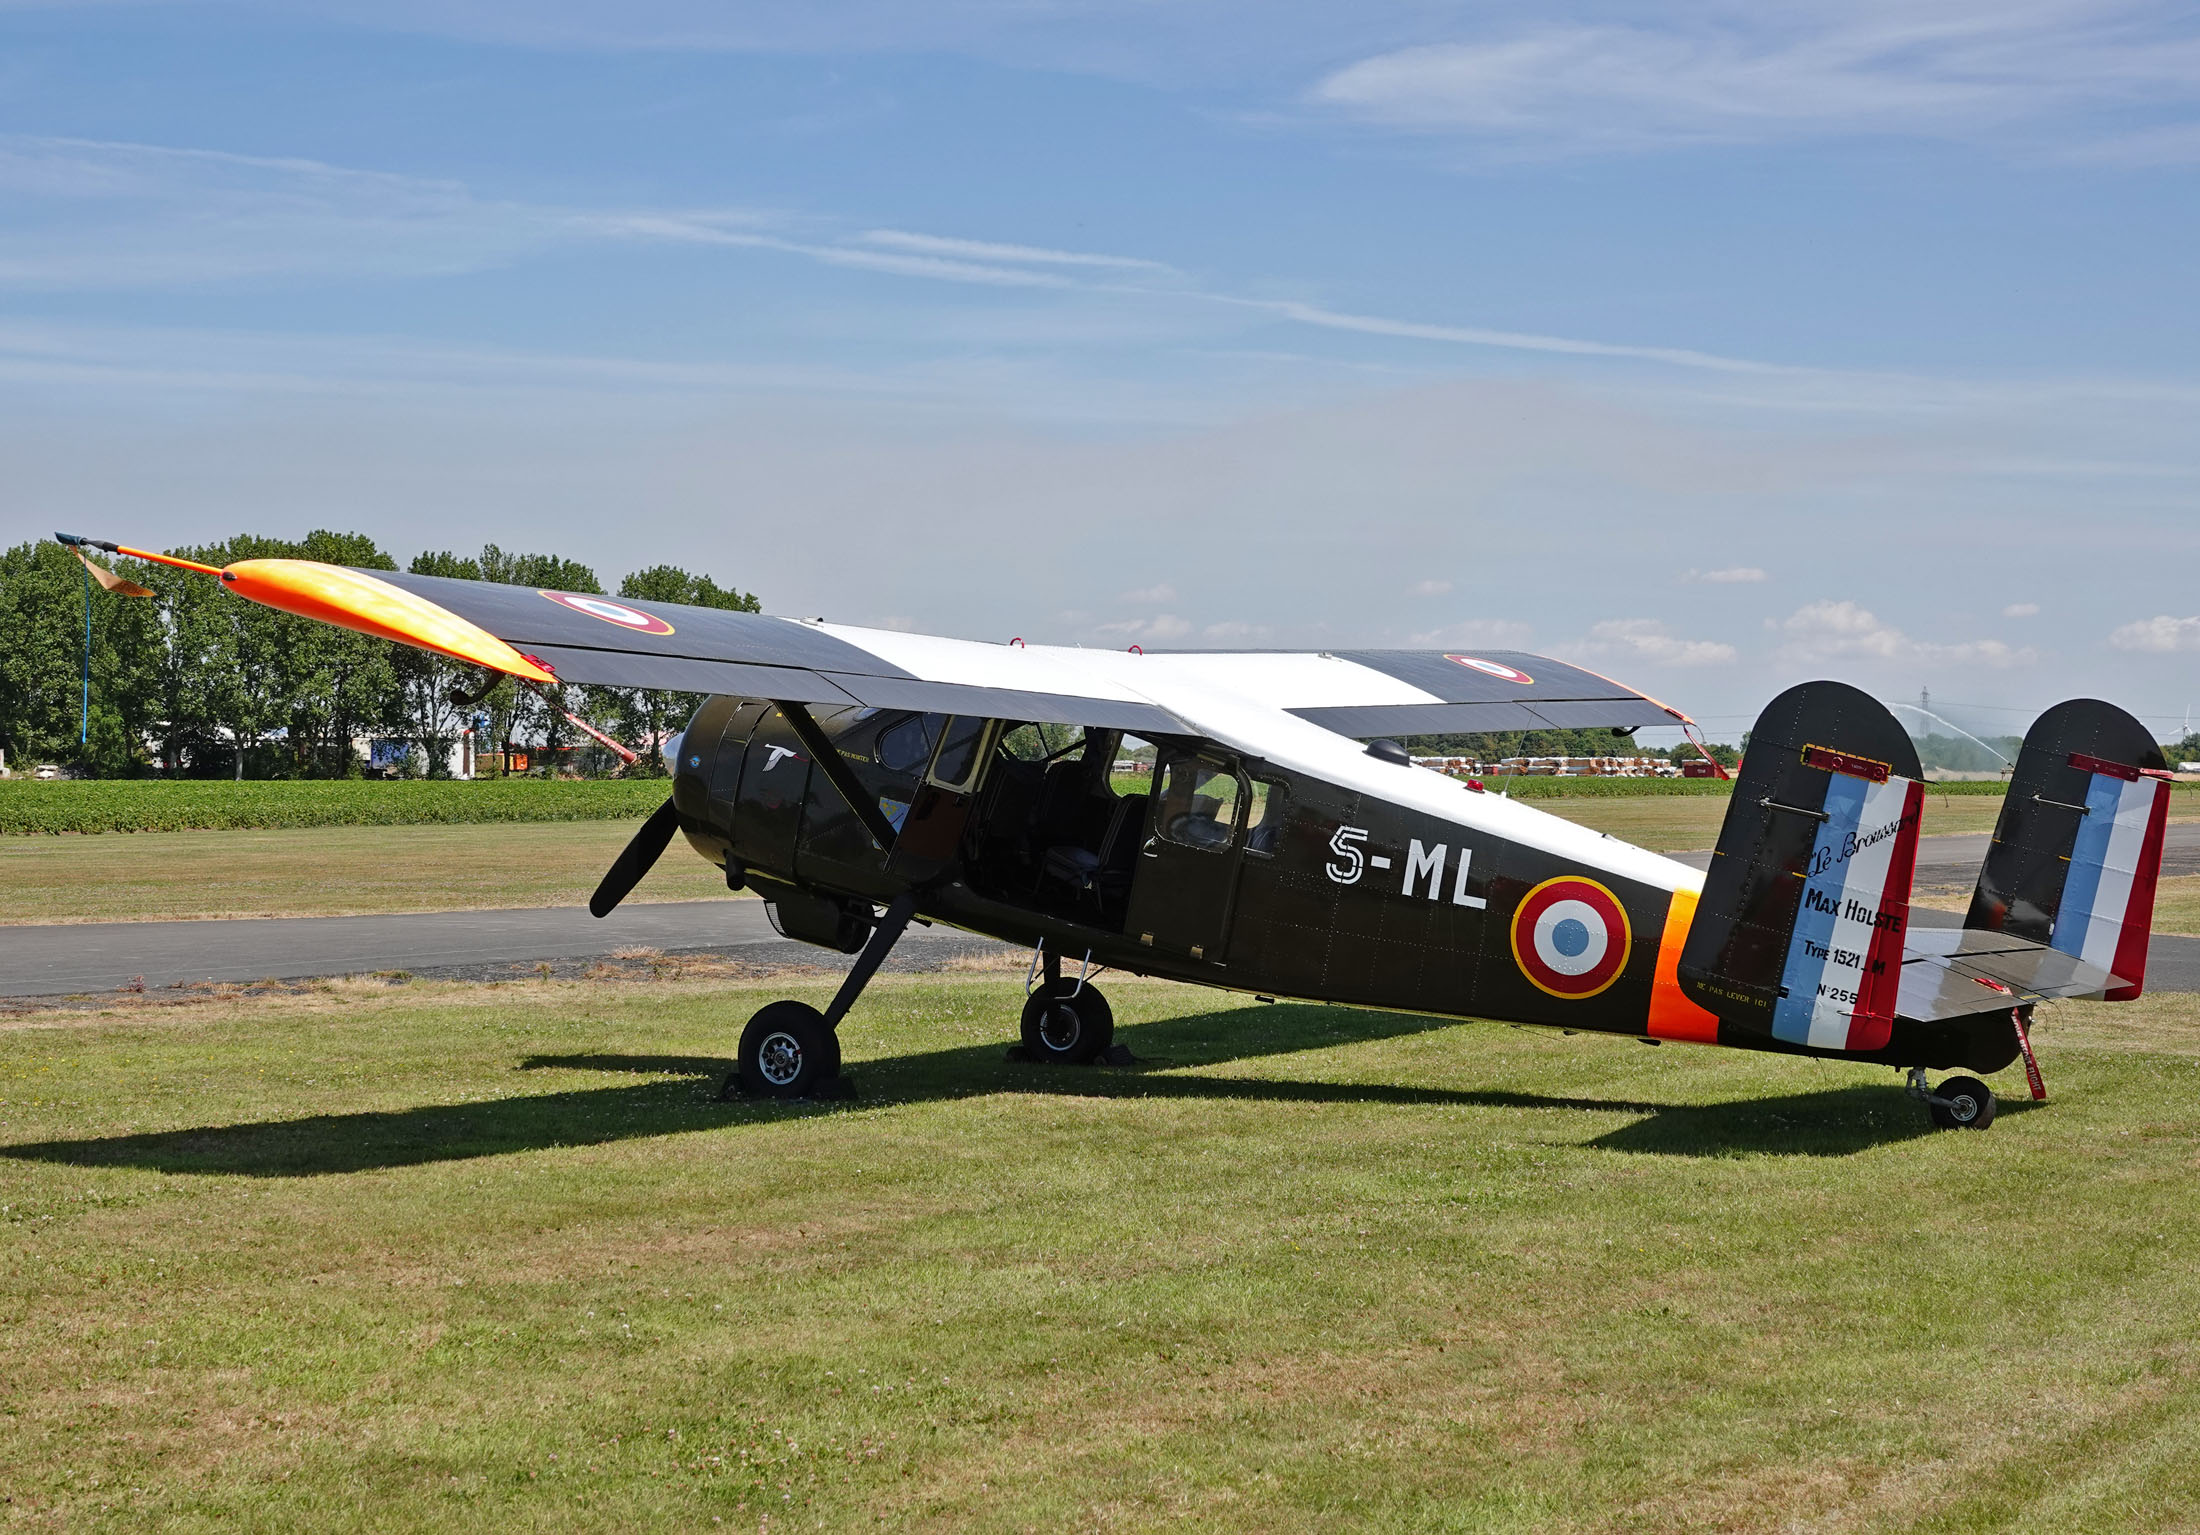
(996,251)
(118,215)
(2059,74)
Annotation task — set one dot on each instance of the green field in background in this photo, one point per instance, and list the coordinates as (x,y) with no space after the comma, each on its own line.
(28,806)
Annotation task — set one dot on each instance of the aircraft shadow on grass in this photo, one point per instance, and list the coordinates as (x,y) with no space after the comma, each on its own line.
(681,1096)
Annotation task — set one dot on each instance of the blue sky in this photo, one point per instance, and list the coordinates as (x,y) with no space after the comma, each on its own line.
(1714,345)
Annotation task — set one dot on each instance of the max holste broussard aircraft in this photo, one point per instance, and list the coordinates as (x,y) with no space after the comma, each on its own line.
(859,779)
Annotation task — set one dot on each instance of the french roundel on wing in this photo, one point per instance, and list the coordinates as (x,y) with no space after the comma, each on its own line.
(1570,937)
(1497,669)
(633,619)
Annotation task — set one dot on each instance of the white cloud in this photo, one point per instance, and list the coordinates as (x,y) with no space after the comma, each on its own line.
(1650,640)
(1727,577)
(1159,629)
(1428,589)
(1149,596)
(2021,610)
(1235,632)
(1476,633)
(1828,631)
(2160,635)
(1701,74)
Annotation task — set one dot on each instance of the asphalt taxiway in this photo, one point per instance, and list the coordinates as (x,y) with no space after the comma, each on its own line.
(78,958)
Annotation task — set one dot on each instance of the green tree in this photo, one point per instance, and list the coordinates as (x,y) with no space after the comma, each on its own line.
(42,639)
(531,714)
(268,671)
(648,715)
(427,679)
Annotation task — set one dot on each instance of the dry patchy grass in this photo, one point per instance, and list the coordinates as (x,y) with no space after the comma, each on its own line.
(378,1254)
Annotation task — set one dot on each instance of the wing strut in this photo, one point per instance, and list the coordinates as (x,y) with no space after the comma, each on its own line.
(837,773)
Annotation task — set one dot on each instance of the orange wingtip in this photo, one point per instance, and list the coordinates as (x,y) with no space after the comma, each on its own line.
(352,599)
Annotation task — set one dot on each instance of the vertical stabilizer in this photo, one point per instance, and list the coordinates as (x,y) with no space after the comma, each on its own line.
(2078,846)
(1799,932)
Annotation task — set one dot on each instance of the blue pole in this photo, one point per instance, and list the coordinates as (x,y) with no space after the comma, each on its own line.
(84,720)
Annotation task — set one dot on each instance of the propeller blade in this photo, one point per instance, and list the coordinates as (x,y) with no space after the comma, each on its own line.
(636,860)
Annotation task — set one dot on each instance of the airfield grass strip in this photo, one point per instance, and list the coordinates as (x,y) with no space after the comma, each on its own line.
(376,1257)
(29,807)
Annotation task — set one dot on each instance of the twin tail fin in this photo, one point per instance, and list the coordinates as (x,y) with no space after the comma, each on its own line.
(2078,847)
(1799,933)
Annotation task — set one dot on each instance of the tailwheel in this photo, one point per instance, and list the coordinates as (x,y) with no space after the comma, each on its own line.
(1962,1103)
(787,1051)
(1067,1024)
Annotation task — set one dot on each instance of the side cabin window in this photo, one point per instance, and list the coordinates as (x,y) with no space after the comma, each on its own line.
(961,753)
(1198,799)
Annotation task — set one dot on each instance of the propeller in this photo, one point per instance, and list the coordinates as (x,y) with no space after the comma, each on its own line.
(635,860)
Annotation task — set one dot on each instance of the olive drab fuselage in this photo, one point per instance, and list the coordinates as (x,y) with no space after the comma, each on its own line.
(1348,899)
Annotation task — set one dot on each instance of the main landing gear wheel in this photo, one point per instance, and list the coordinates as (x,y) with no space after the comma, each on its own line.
(1067,1026)
(787,1051)
(1965,1103)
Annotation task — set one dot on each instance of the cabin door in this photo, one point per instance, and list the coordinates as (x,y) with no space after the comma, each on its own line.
(1186,873)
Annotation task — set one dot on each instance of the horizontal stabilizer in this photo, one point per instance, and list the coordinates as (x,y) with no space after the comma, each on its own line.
(1954,972)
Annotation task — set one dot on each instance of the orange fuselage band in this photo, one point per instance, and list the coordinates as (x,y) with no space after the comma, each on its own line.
(352,599)
(1672,1014)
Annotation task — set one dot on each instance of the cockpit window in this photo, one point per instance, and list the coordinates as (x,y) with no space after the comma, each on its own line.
(906,746)
(1199,803)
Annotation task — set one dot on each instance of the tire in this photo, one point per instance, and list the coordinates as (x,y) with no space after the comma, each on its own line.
(1064,1029)
(1970,1104)
(786,1052)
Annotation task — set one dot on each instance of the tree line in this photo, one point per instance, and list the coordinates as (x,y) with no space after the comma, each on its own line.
(195,682)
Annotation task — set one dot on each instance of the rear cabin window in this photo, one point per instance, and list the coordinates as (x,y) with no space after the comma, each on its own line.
(1199,803)
(1041,743)
(961,752)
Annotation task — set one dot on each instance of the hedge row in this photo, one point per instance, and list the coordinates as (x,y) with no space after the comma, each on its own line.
(28,806)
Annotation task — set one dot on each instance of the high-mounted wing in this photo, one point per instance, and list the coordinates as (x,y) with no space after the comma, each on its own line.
(1423,692)
(628,642)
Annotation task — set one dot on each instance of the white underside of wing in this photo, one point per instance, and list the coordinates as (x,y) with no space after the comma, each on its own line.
(1241,699)
(967,663)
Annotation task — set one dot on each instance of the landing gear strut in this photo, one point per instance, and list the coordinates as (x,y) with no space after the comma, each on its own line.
(1066,1023)
(1959,1103)
(790,1049)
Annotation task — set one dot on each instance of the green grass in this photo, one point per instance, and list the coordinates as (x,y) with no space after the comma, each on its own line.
(403,1257)
(330,871)
(29,806)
